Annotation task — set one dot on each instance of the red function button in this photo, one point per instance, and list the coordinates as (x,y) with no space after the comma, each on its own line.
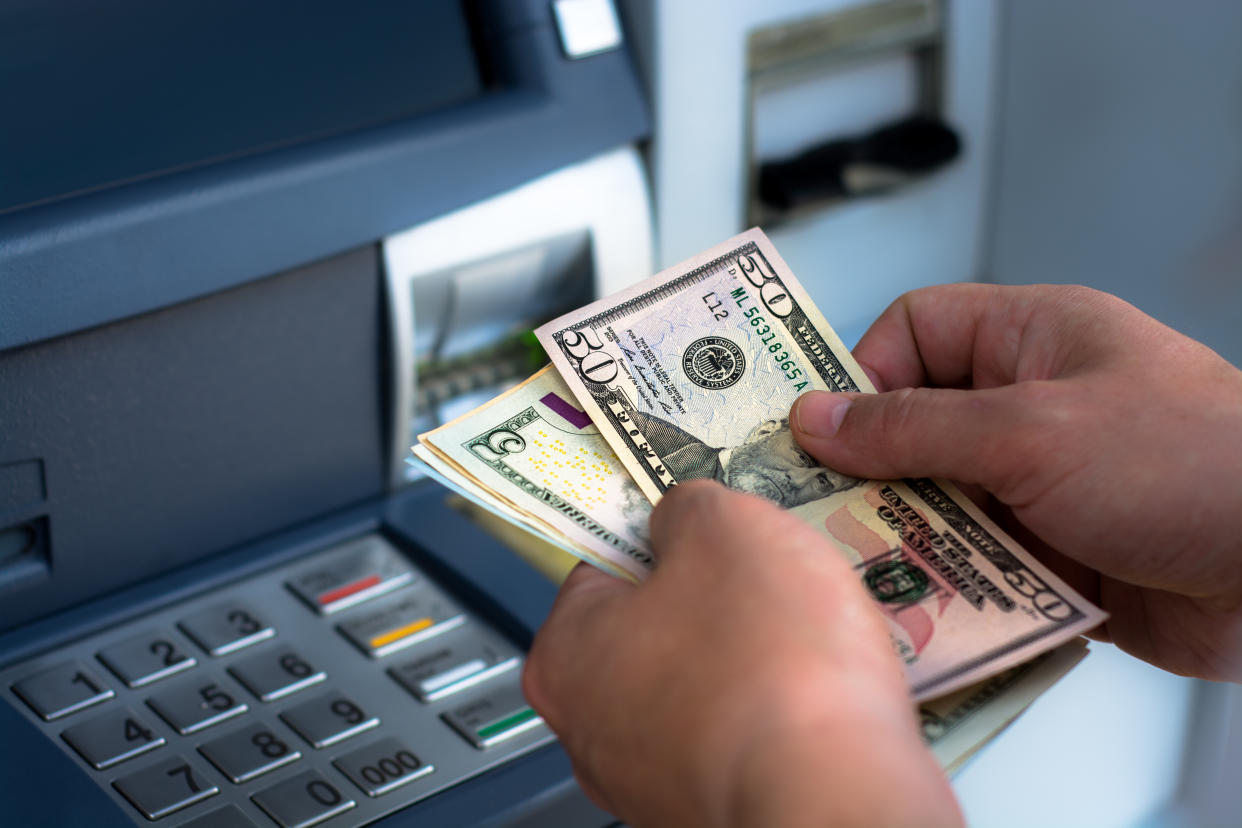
(340,593)
(357,572)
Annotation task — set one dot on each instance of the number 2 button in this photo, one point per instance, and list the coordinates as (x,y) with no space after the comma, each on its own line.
(146,658)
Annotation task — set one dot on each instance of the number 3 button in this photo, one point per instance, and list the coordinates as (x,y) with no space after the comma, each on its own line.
(226,628)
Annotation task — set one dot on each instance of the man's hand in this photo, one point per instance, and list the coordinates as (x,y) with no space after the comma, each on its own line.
(749,682)
(1103,435)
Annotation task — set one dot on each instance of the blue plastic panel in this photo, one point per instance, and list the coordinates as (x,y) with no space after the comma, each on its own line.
(191,429)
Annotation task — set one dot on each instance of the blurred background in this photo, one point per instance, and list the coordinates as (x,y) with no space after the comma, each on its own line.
(473,169)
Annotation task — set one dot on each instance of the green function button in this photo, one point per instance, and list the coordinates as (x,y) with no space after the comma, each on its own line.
(494,717)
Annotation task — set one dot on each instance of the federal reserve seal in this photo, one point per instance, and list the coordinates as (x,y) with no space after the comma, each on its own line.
(713,362)
(896,582)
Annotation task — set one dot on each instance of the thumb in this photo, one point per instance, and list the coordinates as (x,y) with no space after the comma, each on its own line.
(968,436)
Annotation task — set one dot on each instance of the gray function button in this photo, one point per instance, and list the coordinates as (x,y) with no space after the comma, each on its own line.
(250,752)
(360,572)
(190,706)
(444,669)
(401,621)
(382,766)
(165,787)
(229,817)
(61,690)
(328,718)
(146,658)
(306,799)
(276,673)
(493,717)
(111,738)
(226,628)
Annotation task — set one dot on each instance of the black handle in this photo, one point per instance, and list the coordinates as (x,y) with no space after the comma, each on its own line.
(850,167)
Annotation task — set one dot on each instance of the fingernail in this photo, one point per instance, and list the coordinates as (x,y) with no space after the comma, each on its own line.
(819,413)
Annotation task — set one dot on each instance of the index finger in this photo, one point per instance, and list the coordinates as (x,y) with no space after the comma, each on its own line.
(938,335)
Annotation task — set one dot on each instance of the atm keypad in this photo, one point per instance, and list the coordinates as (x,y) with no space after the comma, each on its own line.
(335,689)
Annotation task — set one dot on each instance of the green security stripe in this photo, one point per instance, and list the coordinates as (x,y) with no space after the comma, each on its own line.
(506,723)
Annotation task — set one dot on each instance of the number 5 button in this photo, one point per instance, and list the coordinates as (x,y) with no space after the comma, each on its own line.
(193,705)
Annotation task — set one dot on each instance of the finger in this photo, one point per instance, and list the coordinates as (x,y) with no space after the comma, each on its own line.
(985,437)
(702,515)
(931,336)
(584,594)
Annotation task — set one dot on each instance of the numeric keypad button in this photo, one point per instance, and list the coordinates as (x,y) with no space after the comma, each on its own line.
(302,801)
(146,658)
(62,690)
(275,673)
(382,766)
(165,787)
(226,628)
(251,752)
(328,718)
(111,738)
(191,706)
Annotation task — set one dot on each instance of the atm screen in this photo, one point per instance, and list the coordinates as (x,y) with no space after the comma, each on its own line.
(114,92)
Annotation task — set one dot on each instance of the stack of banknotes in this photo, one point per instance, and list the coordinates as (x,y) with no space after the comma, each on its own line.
(691,374)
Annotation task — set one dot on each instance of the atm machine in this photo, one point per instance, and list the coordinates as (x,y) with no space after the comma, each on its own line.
(223,600)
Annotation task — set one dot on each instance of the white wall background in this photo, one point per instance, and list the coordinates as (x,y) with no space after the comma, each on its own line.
(1119,148)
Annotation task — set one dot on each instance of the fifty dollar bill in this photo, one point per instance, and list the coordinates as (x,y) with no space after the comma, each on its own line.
(691,374)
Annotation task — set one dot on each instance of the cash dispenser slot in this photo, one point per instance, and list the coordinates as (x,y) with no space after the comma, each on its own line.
(799,71)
